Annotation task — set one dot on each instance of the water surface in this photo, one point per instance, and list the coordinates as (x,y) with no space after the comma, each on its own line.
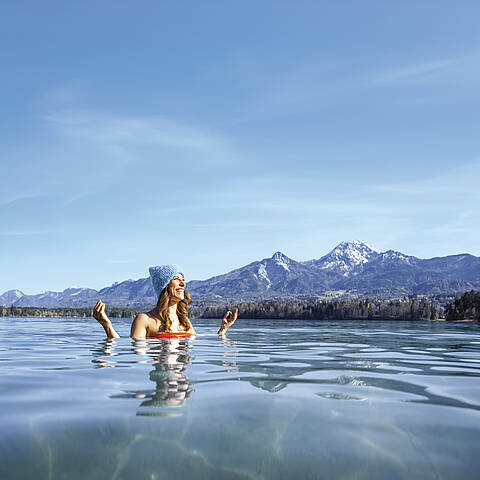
(275,400)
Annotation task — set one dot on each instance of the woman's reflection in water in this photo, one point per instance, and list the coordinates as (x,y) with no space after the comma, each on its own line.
(170,358)
(172,384)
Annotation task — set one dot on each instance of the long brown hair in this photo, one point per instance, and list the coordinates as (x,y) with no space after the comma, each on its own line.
(182,308)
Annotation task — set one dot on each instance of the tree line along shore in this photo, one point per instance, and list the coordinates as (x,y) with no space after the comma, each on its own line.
(466,307)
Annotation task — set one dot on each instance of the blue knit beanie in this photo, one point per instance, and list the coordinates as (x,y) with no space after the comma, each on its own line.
(162,275)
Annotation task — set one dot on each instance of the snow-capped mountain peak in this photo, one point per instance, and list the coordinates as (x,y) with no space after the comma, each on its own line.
(392,255)
(346,256)
(282,260)
(356,245)
(16,293)
(9,298)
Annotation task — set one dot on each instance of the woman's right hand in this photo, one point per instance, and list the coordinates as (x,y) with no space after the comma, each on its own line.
(99,313)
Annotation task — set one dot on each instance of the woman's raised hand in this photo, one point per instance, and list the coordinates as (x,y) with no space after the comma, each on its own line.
(227,321)
(101,317)
(99,313)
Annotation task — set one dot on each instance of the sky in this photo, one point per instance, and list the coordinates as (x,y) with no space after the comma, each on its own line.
(212,134)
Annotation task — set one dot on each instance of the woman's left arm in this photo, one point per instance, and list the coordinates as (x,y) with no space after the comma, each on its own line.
(227,321)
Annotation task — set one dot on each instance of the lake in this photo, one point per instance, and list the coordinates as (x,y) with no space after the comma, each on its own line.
(276,399)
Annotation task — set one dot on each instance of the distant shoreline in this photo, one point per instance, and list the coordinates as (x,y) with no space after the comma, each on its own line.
(268,309)
(464,309)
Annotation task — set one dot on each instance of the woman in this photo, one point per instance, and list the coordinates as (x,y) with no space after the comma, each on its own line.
(171,313)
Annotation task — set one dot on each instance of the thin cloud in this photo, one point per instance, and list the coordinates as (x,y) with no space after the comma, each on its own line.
(303,88)
(131,131)
(417,73)
(461,180)
(307,88)
(14,199)
(24,233)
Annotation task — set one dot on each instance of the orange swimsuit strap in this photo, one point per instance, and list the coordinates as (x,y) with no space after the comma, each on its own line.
(173,334)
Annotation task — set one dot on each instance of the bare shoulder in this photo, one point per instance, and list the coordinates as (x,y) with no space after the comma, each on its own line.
(142,319)
(140,326)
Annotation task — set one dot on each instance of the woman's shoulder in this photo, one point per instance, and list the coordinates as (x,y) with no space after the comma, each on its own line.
(143,318)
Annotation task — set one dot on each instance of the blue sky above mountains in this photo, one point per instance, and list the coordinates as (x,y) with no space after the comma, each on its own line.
(212,134)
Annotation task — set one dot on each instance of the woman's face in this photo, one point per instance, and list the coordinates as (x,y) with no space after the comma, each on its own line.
(178,287)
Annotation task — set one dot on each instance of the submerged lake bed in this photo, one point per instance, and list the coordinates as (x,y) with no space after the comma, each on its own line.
(276,399)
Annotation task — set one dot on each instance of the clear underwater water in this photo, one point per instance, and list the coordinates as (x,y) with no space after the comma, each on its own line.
(276,400)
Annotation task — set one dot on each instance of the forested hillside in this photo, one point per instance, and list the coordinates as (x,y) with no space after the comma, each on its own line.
(467,307)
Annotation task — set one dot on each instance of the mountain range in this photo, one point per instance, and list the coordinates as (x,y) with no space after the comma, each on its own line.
(350,269)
